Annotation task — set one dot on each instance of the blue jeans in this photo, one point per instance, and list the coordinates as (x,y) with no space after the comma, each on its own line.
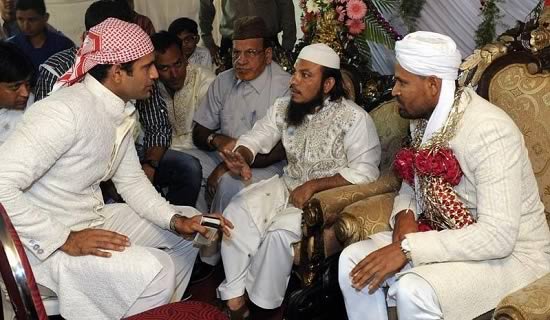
(180,175)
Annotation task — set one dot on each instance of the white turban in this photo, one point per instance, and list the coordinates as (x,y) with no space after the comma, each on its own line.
(321,54)
(429,54)
(432,54)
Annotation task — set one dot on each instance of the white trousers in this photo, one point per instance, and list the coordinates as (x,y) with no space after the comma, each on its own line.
(255,261)
(414,297)
(175,254)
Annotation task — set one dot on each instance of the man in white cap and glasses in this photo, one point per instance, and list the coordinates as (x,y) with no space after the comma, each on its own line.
(468,223)
(329,142)
(101,261)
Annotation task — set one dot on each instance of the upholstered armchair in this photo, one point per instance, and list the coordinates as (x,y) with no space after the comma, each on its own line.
(516,84)
(319,236)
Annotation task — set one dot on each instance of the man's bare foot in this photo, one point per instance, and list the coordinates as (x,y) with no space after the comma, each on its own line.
(236,303)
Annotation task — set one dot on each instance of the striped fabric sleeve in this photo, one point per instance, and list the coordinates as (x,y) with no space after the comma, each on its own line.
(154,119)
(51,70)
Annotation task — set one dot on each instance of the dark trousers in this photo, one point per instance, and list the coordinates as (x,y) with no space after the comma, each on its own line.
(179,177)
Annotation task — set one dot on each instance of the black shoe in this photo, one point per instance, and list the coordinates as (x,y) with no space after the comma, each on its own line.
(186,295)
(201,271)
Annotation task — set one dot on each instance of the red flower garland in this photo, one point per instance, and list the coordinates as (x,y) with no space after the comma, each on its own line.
(428,162)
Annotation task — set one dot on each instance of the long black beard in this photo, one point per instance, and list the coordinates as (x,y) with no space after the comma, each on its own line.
(297,112)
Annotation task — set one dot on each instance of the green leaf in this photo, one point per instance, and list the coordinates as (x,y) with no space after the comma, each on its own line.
(410,12)
(387,6)
(363,47)
(375,32)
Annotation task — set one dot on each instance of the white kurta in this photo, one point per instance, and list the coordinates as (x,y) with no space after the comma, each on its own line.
(339,139)
(52,165)
(181,107)
(472,268)
(201,56)
(8,120)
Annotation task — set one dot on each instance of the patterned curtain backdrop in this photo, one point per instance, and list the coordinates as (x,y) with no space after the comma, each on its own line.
(457,18)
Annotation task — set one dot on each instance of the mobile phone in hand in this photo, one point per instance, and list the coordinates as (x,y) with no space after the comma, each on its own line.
(212,225)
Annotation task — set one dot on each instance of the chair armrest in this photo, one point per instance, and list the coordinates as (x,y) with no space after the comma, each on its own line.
(325,206)
(531,302)
(363,218)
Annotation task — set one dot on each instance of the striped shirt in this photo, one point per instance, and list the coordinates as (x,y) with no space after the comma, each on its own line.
(152,111)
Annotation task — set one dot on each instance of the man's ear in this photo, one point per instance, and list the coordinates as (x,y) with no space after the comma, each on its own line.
(328,85)
(434,85)
(268,55)
(115,73)
(46,17)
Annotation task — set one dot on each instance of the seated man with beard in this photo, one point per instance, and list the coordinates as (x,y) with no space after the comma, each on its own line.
(329,142)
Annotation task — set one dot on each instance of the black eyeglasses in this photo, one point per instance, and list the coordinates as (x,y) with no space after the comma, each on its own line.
(250,53)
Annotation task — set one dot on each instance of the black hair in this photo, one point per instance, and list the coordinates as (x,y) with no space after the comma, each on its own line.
(163,40)
(183,24)
(337,91)
(354,82)
(100,71)
(14,64)
(100,10)
(37,5)
(127,6)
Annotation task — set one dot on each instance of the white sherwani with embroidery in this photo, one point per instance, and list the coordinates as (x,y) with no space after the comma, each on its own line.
(339,139)
(51,168)
(473,268)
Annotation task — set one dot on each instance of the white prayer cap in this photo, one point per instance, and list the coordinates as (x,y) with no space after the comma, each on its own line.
(322,54)
(428,54)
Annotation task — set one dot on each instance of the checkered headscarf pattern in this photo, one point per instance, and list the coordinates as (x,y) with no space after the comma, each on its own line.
(111,42)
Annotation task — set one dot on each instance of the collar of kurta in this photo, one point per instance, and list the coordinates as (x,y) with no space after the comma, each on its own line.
(114,106)
(327,105)
(165,92)
(260,82)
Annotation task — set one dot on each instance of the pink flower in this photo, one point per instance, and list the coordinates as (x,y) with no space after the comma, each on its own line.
(403,164)
(356,9)
(341,13)
(355,27)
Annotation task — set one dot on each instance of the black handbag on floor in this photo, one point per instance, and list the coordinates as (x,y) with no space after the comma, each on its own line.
(322,300)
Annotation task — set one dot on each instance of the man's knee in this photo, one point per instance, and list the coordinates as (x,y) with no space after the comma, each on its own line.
(281,239)
(183,163)
(413,290)
(164,284)
(354,253)
(230,185)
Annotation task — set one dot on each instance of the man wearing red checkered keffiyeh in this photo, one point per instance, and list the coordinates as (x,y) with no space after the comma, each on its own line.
(101,260)
(110,42)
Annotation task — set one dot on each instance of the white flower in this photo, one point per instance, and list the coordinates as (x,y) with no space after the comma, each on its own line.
(312,6)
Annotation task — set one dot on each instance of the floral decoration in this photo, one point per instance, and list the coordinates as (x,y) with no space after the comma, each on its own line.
(355,15)
(440,163)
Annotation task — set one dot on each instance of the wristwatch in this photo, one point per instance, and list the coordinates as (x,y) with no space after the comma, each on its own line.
(173,221)
(153,163)
(210,139)
(406,249)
